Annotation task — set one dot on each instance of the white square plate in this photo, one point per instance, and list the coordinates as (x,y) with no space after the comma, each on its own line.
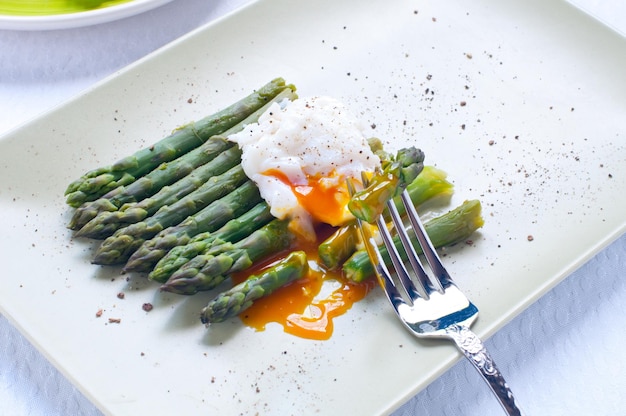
(521,102)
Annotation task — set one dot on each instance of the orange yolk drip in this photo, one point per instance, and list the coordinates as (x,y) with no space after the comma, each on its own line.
(295,306)
(324,200)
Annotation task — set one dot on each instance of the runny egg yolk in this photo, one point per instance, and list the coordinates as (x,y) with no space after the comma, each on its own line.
(300,307)
(324,198)
(296,308)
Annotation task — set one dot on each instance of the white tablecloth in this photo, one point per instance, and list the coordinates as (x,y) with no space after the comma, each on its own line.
(563,355)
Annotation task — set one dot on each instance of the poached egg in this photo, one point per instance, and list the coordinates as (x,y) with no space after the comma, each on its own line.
(300,154)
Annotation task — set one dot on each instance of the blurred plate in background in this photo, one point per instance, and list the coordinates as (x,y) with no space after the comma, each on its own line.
(64,14)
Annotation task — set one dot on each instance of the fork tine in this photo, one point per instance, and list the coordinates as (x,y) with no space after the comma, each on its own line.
(422,278)
(406,283)
(382,272)
(401,270)
(434,262)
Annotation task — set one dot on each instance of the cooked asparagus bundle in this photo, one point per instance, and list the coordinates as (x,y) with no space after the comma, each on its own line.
(220,199)
(106,223)
(447,229)
(184,174)
(205,272)
(234,230)
(149,184)
(98,182)
(233,301)
(209,219)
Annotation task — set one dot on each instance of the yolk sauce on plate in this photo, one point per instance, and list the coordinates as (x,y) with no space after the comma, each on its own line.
(298,306)
(306,307)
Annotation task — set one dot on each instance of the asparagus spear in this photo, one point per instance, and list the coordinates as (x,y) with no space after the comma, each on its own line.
(232,302)
(205,272)
(233,231)
(209,219)
(445,230)
(339,246)
(98,182)
(106,223)
(119,247)
(395,175)
(164,174)
(429,184)
(122,197)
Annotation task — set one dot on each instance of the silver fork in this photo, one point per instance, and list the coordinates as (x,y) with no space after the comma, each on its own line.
(431,306)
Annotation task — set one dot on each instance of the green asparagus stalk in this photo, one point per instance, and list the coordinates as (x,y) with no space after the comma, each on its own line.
(387,183)
(447,229)
(233,231)
(162,175)
(205,272)
(376,145)
(194,168)
(106,223)
(232,302)
(209,219)
(98,182)
(123,243)
(339,246)
(430,183)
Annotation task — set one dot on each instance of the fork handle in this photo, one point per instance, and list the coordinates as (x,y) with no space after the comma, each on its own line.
(474,350)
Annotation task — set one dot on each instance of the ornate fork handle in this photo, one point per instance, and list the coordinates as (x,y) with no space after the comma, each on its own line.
(475,351)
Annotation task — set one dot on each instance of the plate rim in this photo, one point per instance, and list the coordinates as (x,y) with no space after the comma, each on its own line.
(593,250)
